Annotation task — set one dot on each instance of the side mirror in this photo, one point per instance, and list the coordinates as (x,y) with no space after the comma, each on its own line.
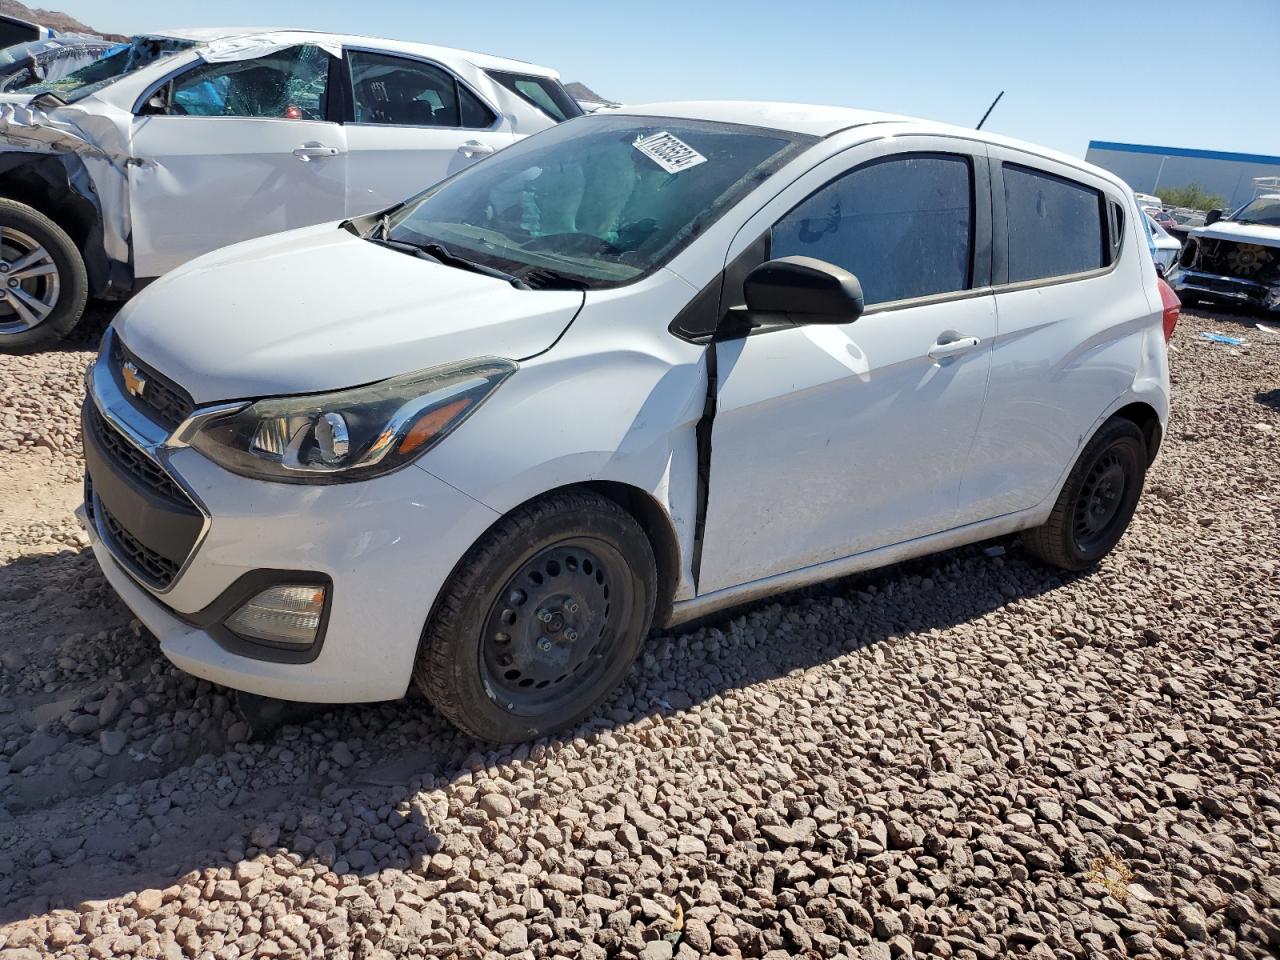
(810,290)
(156,103)
(1213,216)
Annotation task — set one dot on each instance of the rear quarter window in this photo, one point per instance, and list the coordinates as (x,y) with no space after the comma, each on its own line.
(1055,225)
(541,92)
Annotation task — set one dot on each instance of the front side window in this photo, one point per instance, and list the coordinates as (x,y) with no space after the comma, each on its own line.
(600,199)
(413,93)
(290,84)
(1055,225)
(115,63)
(903,226)
(543,92)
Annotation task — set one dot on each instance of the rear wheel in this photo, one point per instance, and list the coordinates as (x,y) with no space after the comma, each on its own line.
(1097,502)
(43,283)
(541,619)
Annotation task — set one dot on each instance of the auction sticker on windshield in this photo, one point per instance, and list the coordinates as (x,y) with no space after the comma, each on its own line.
(670,153)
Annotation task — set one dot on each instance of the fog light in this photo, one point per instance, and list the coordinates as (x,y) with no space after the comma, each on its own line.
(287,614)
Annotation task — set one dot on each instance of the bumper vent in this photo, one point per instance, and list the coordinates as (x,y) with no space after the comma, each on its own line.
(145,562)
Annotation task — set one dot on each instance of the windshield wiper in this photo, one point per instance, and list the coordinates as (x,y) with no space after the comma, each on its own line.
(442,254)
(544,278)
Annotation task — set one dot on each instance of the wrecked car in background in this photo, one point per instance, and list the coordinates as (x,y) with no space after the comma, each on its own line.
(185,142)
(44,61)
(1234,259)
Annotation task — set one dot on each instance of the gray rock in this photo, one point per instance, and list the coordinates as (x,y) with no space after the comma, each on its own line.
(112,742)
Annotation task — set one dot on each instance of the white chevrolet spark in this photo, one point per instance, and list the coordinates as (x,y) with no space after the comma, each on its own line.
(637,368)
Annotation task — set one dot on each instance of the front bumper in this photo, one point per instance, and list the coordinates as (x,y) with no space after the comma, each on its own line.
(385,545)
(1226,289)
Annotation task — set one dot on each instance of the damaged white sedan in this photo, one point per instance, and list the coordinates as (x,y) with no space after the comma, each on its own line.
(180,143)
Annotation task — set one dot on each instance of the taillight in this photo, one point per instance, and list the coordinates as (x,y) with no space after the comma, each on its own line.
(1172,307)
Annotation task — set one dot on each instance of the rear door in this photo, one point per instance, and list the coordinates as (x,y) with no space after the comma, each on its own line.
(411,123)
(1071,311)
(229,151)
(833,440)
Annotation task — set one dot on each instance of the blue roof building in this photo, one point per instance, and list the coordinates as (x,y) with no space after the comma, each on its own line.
(1147,168)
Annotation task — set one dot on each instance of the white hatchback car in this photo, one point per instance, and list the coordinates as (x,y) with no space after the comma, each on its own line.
(178,143)
(646,365)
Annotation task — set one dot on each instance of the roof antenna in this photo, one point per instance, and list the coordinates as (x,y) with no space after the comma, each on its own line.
(989,109)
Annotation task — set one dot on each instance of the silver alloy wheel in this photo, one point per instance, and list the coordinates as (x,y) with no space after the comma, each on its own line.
(29,282)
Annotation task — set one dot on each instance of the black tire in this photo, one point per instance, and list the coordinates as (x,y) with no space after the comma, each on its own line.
(596,570)
(72,291)
(1097,502)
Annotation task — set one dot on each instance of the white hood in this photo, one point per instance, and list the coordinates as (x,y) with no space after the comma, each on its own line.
(1240,233)
(320,309)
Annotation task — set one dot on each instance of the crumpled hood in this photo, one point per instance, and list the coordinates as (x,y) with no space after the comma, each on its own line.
(321,309)
(1240,233)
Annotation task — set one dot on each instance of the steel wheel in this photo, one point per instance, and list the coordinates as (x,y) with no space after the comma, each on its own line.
(1099,502)
(551,632)
(29,282)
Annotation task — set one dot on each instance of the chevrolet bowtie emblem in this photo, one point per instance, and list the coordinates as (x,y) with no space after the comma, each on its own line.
(134,381)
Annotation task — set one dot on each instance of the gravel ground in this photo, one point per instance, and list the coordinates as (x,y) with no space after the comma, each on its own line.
(964,756)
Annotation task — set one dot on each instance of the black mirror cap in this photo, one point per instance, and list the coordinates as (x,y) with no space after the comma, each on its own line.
(1213,216)
(812,290)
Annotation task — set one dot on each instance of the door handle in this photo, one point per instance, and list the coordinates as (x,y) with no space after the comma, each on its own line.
(474,148)
(952,345)
(314,151)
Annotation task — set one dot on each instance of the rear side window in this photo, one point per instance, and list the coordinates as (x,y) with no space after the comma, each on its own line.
(903,226)
(412,93)
(1055,225)
(543,92)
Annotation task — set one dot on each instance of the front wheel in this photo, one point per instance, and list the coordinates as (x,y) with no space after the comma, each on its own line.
(541,619)
(1097,501)
(43,283)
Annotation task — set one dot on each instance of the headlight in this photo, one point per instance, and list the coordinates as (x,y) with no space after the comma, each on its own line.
(350,434)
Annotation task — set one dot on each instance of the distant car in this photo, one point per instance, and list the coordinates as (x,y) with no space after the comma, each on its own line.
(1164,247)
(16,30)
(177,144)
(1163,217)
(48,61)
(649,364)
(1234,259)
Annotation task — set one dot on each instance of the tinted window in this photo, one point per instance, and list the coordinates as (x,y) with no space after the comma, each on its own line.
(543,92)
(411,93)
(288,84)
(475,114)
(1055,225)
(15,31)
(902,226)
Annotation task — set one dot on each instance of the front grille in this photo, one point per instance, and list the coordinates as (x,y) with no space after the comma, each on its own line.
(162,399)
(134,462)
(159,570)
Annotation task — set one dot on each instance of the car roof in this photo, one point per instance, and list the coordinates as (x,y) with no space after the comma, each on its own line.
(482,60)
(823,121)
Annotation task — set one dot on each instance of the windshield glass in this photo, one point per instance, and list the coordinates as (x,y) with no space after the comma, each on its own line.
(115,63)
(1263,210)
(601,199)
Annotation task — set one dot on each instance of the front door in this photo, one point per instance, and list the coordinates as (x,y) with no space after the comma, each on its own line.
(234,150)
(832,440)
(413,124)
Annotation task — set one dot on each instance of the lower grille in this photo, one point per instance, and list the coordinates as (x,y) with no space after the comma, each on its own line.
(145,518)
(134,462)
(159,570)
